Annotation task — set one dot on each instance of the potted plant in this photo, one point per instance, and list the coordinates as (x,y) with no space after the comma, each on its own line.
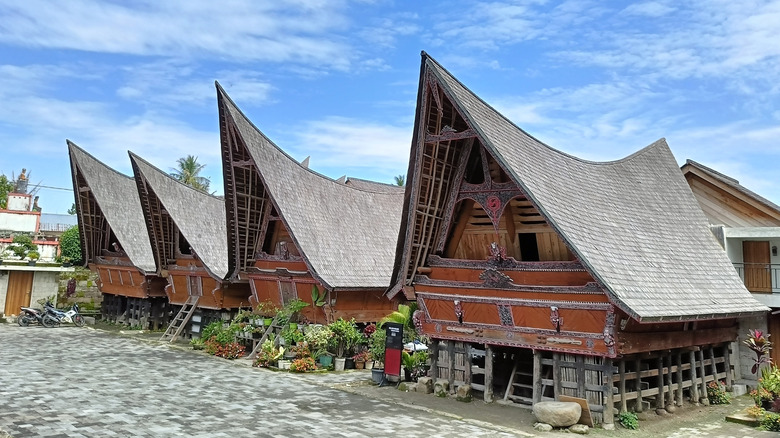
(345,336)
(318,337)
(267,310)
(66,262)
(361,359)
(376,346)
(33,256)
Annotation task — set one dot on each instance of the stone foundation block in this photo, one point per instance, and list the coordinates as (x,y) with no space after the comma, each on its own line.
(557,414)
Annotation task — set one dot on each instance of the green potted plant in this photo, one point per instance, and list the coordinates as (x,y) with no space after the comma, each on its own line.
(318,337)
(345,336)
(33,257)
(376,346)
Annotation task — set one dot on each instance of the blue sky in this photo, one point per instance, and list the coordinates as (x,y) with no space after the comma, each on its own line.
(337,80)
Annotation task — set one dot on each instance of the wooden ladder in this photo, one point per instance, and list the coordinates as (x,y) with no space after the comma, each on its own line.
(267,333)
(181,319)
(519,381)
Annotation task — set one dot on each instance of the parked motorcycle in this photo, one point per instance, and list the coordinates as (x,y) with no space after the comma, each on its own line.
(54,317)
(30,315)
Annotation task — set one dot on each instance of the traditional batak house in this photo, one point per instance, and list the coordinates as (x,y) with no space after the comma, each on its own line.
(115,243)
(594,280)
(748,227)
(294,233)
(189,242)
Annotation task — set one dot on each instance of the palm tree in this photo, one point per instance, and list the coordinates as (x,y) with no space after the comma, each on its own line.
(188,173)
(400,180)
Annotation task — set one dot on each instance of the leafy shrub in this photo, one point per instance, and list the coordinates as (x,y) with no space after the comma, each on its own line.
(300,351)
(771,421)
(318,338)
(212,329)
(628,420)
(268,355)
(233,350)
(345,336)
(197,343)
(716,393)
(70,245)
(303,364)
(22,245)
(377,345)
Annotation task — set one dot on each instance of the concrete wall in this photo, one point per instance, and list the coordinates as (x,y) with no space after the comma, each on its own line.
(746,356)
(19,222)
(44,285)
(3,289)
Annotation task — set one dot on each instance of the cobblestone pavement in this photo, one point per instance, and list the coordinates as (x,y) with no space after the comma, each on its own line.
(70,382)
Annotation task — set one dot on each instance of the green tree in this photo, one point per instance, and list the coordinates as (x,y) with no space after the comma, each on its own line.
(70,245)
(72,209)
(400,180)
(22,245)
(188,172)
(5,186)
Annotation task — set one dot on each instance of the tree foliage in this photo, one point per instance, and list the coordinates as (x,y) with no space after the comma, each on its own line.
(6,186)
(22,245)
(400,180)
(70,245)
(188,172)
(72,209)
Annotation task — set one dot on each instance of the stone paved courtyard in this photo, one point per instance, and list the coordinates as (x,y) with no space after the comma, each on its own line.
(70,382)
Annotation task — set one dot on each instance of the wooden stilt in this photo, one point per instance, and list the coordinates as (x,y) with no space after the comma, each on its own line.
(451,364)
(669,379)
(435,359)
(609,393)
(694,382)
(580,370)
(727,365)
(679,373)
(622,371)
(659,401)
(703,388)
(556,375)
(537,377)
(638,365)
(467,377)
(488,393)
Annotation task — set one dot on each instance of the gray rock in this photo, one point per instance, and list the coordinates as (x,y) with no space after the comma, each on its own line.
(557,414)
(542,427)
(579,428)
(670,408)
(463,393)
(441,388)
(608,426)
(661,412)
(404,386)
(425,385)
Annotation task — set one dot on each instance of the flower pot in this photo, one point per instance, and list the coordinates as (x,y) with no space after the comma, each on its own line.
(377,375)
(359,364)
(268,321)
(369,364)
(31,263)
(339,364)
(284,364)
(293,326)
(325,360)
(349,364)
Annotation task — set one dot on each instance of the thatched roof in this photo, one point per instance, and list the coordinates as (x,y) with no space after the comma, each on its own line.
(345,234)
(633,223)
(373,185)
(117,197)
(199,216)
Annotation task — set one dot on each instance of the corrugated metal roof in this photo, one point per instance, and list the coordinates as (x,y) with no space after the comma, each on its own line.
(633,222)
(199,216)
(346,234)
(117,196)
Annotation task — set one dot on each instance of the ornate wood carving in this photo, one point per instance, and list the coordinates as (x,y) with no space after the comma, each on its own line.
(507,264)
(458,311)
(495,279)
(555,318)
(505,315)
(588,289)
(515,301)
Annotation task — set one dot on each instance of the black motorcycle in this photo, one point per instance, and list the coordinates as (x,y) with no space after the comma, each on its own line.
(30,315)
(53,317)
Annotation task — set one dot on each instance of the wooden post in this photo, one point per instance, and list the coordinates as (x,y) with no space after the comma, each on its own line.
(467,363)
(694,388)
(451,364)
(537,376)
(659,401)
(488,393)
(580,370)
(678,356)
(727,365)
(638,364)
(435,359)
(609,393)
(669,378)
(556,375)
(622,371)
(703,390)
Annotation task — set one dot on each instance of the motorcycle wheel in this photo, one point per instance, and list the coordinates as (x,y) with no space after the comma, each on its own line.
(50,321)
(78,320)
(23,321)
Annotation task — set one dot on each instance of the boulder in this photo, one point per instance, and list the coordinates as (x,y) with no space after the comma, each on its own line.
(579,428)
(557,414)
(463,393)
(542,427)
(425,385)
(405,386)
(441,388)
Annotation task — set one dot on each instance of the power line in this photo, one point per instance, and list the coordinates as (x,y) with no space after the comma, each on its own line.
(55,188)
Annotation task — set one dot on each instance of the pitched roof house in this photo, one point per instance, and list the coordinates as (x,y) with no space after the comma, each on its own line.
(506,241)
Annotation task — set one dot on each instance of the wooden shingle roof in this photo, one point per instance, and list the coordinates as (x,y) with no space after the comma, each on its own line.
(200,217)
(345,234)
(634,223)
(117,196)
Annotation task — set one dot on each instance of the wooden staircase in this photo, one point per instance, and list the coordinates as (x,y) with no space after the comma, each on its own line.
(520,387)
(181,319)
(271,328)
